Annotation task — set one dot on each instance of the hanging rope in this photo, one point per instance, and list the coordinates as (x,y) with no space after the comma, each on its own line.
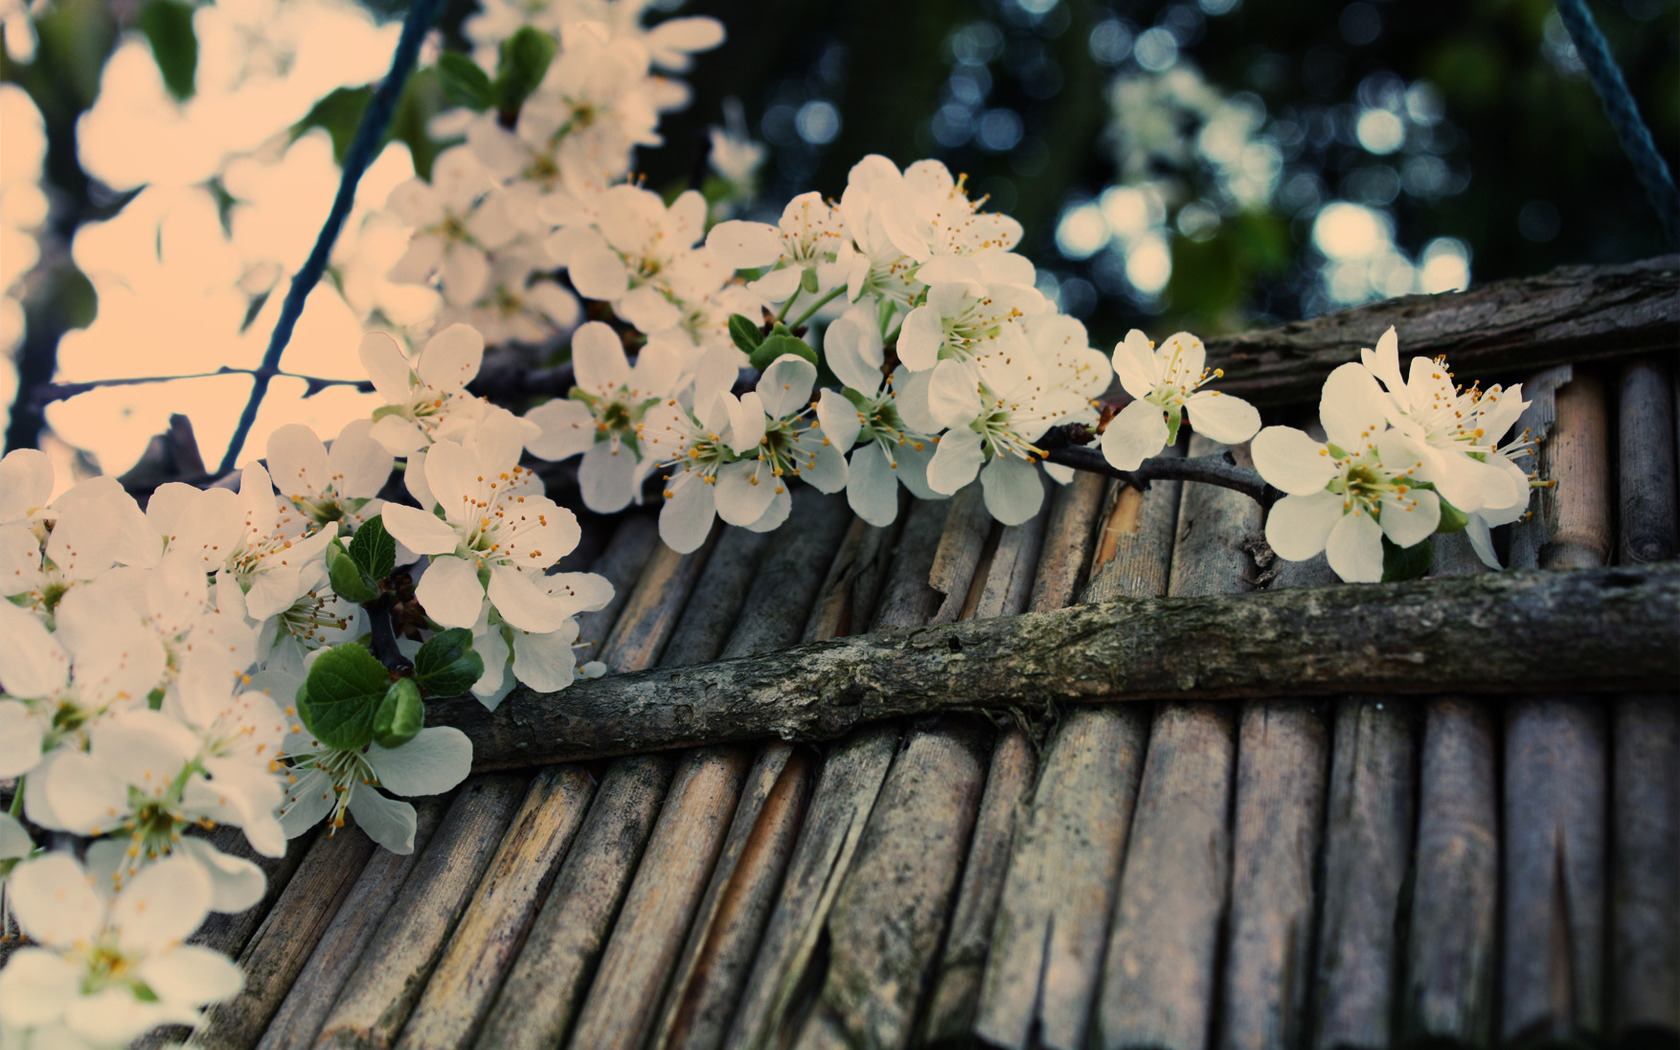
(369,136)
(1606,77)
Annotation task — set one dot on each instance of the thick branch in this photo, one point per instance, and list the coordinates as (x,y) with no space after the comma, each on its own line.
(1499,331)
(1589,631)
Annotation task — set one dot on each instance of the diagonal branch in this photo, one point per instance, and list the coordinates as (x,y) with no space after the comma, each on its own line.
(1589,631)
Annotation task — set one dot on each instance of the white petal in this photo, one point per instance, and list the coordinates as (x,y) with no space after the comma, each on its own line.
(450,593)
(1221,417)
(466,271)
(785,386)
(434,761)
(1292,461)
(1298,526)
(607,477)
(920,339)
(1136,365)
(744,492)
(1013,490)
(954,393)
(745,245)
(545,662)
(418,530)
(1410,520)
(307,800)
(161,906)
(235,883)
(191,974)
(648,309)
(598,272)
(781,505)
(297,461)
(397,435)
(26,483)
(1138,432)
(452,357)
(598,356)
(1354,549)
(838,419)
(1351,407)
(52,901)
(32,663)
(687,515)
(382,359)
(955,461)
(521,603)
(386,821)
(872,487)
(35,987)
(1481,541)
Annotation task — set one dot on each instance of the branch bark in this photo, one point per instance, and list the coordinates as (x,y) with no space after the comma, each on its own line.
(1588,631)
(1500,330)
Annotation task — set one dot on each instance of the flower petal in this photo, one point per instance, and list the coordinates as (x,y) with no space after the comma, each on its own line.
(1138,432)
(1354,549)
(521,602)
(955,461)
(1013,490)
(1351,407)
(433,762)
(1221,417)
(386,821)
(1291,460)
(419,531)
(1298,526)
(450,592)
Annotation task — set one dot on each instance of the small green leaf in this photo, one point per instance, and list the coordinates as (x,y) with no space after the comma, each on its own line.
(347,579)
(808,281)
(776,346)
(340,113)
(446,664)
(168,25)
(745,333)
(401,715)
(1452,519)
(342,694)
(524,59)
(464,83)
(374,549)
(1175,417)
(1406,563)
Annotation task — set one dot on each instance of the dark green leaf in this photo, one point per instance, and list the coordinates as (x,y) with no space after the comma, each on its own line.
(446,664)
(1452,519)
(168,25)
(524,59)
(348,580)
(341,696)
(464,83)
(777,345)
(401,715)
(373,549)
(1406,563)
(745,333)
(340,112)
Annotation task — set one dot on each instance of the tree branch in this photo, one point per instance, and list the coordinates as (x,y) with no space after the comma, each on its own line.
(1591,631)
(46,393)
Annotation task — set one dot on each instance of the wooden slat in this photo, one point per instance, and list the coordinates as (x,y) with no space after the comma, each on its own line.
(1494,331)
(1556,774)
(718,597)
(1159,973)
(1646,467)
(490,933)
(385,984)
(298,1020)
(633,543)
(1052,922)
(1367,850)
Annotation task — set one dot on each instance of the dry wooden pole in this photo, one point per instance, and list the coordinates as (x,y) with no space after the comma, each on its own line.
(1052,922)
(491,931)
(1159,973)
(893,907)
(845,792)
(383,987)
(1506,328)
(627,553)
(1555,764)
(289,931)
(718,597)
(229,933)
(1001,586)
(298,1020)
(1645,800)
(1367,851)
(1450,993)
(730,917)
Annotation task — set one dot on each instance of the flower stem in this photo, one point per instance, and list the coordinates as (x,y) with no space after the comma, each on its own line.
(781,315)
(1062,445)
(818,305)
(17,797)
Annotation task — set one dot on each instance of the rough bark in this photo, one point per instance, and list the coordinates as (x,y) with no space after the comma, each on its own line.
(1500,330)
(1589,631)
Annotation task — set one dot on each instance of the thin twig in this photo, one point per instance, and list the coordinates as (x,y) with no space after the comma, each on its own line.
(368,138)
(50,392)
(1063,446)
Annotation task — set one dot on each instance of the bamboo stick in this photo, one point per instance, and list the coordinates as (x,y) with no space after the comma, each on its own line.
(1159,972)
(626,554)
(383,987)
(1555,835)
(787,582)
(540,995)
(718,596)
(1645,834)
(298,1020)
(1573,313)
(491,931)
(1611,630)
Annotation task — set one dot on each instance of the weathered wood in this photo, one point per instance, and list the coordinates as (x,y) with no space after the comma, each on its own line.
(298,1020)
(1612,630)
(1367,851)
(387,981)
(1556,773)
(731,918)
(1052,923)
(229,933)
(1009,577)
(1505,328)
(718,596)
(632,544)
(649,617)
(670,879)
(540,995)
(957,560)
(1645,872)
(289,932)
(1645,426)
(1063,568)
(847,596)
(1450,990)
(786,583)
(493,927)
(1159,973)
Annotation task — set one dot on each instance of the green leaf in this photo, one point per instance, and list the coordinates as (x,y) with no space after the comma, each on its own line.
(446,664)
(341,696)
(1406,563)
(340,113)
(374,549)
(777,345)
(347,578)
(808,281)
(1452,519)
(745,333)
(524,59)
(401,715)
(168,25)
(464,83)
